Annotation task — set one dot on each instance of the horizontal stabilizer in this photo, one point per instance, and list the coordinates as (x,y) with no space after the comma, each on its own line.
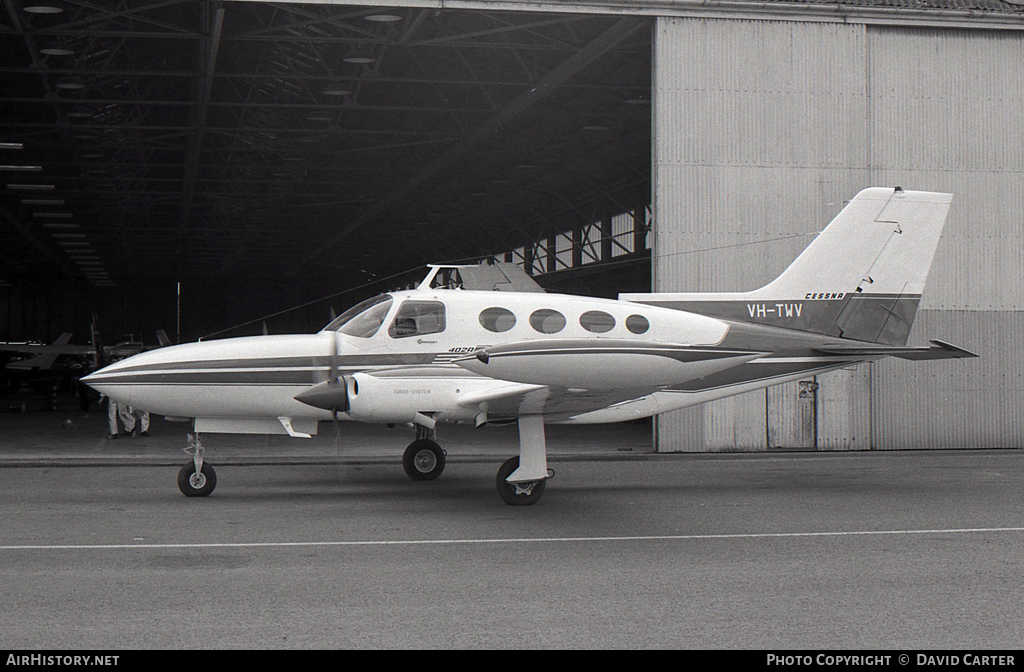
(48,355)
(937,350)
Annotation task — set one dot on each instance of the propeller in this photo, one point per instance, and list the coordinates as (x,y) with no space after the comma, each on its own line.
(331,394)
(335,379)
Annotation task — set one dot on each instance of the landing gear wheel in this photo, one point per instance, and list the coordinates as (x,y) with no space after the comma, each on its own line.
(423,460)
(517,494)
(192,484)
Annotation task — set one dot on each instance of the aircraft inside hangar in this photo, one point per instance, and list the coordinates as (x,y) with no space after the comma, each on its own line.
(223,169)
(217,209)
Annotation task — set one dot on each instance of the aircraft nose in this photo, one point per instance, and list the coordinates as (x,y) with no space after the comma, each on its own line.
(105,382)
(116,380)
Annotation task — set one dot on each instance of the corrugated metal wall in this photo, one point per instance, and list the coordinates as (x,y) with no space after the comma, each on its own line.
(763,128)
(947,111)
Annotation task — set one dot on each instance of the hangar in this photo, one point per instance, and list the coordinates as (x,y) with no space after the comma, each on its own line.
(208,167)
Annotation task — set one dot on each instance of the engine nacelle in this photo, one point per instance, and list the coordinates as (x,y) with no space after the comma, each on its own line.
(387,399)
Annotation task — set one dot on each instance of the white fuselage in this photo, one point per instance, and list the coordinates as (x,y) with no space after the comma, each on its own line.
(401,371)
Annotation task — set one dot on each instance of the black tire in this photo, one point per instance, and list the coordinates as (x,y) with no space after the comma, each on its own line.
(525,494)
(200,487)
(423,460)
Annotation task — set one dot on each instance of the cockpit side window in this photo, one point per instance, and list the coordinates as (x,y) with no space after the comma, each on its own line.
(364,319)
(416,318)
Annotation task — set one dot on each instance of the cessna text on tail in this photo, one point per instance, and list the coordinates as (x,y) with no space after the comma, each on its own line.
(476,355)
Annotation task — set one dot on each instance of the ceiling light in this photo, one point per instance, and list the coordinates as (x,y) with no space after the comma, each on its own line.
(56,50)
(31,187)
(319,115)
(42,201)
(27,169)
(337,90)
(70,84)
(72,242)
(80,112)
(59,225)
(68,235)
(44,9)
(11,145)
(55,215)
(359,56)
(383,18)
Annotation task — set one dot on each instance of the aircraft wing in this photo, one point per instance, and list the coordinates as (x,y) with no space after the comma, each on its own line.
(508,401)
(602,364)
(58,347)
(937,350)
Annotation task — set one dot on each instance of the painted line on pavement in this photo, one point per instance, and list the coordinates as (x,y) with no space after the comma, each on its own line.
(517,540)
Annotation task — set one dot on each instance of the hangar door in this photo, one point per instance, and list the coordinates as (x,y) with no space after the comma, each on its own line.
(760,135)
(763,129)
(824,412)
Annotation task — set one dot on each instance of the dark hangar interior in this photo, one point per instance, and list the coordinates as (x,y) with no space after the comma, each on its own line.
(280,161)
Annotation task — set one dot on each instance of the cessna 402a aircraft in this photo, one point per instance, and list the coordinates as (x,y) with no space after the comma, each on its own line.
(445,355)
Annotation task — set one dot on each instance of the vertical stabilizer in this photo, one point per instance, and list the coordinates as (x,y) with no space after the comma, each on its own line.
(861,278)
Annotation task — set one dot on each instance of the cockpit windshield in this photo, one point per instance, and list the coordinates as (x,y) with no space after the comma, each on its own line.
(364,319)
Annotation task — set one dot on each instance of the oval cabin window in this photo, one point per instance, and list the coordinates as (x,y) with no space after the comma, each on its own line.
(497,319)
(597,321)
(547,321)
(637,324)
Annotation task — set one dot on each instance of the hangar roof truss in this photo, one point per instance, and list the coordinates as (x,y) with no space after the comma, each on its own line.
(261,139)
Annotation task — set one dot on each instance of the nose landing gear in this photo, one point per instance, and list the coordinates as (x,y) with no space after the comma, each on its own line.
(197,478)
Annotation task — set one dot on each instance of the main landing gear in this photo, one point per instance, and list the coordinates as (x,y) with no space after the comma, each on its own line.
(197,478)
(423,459)
(520,480)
